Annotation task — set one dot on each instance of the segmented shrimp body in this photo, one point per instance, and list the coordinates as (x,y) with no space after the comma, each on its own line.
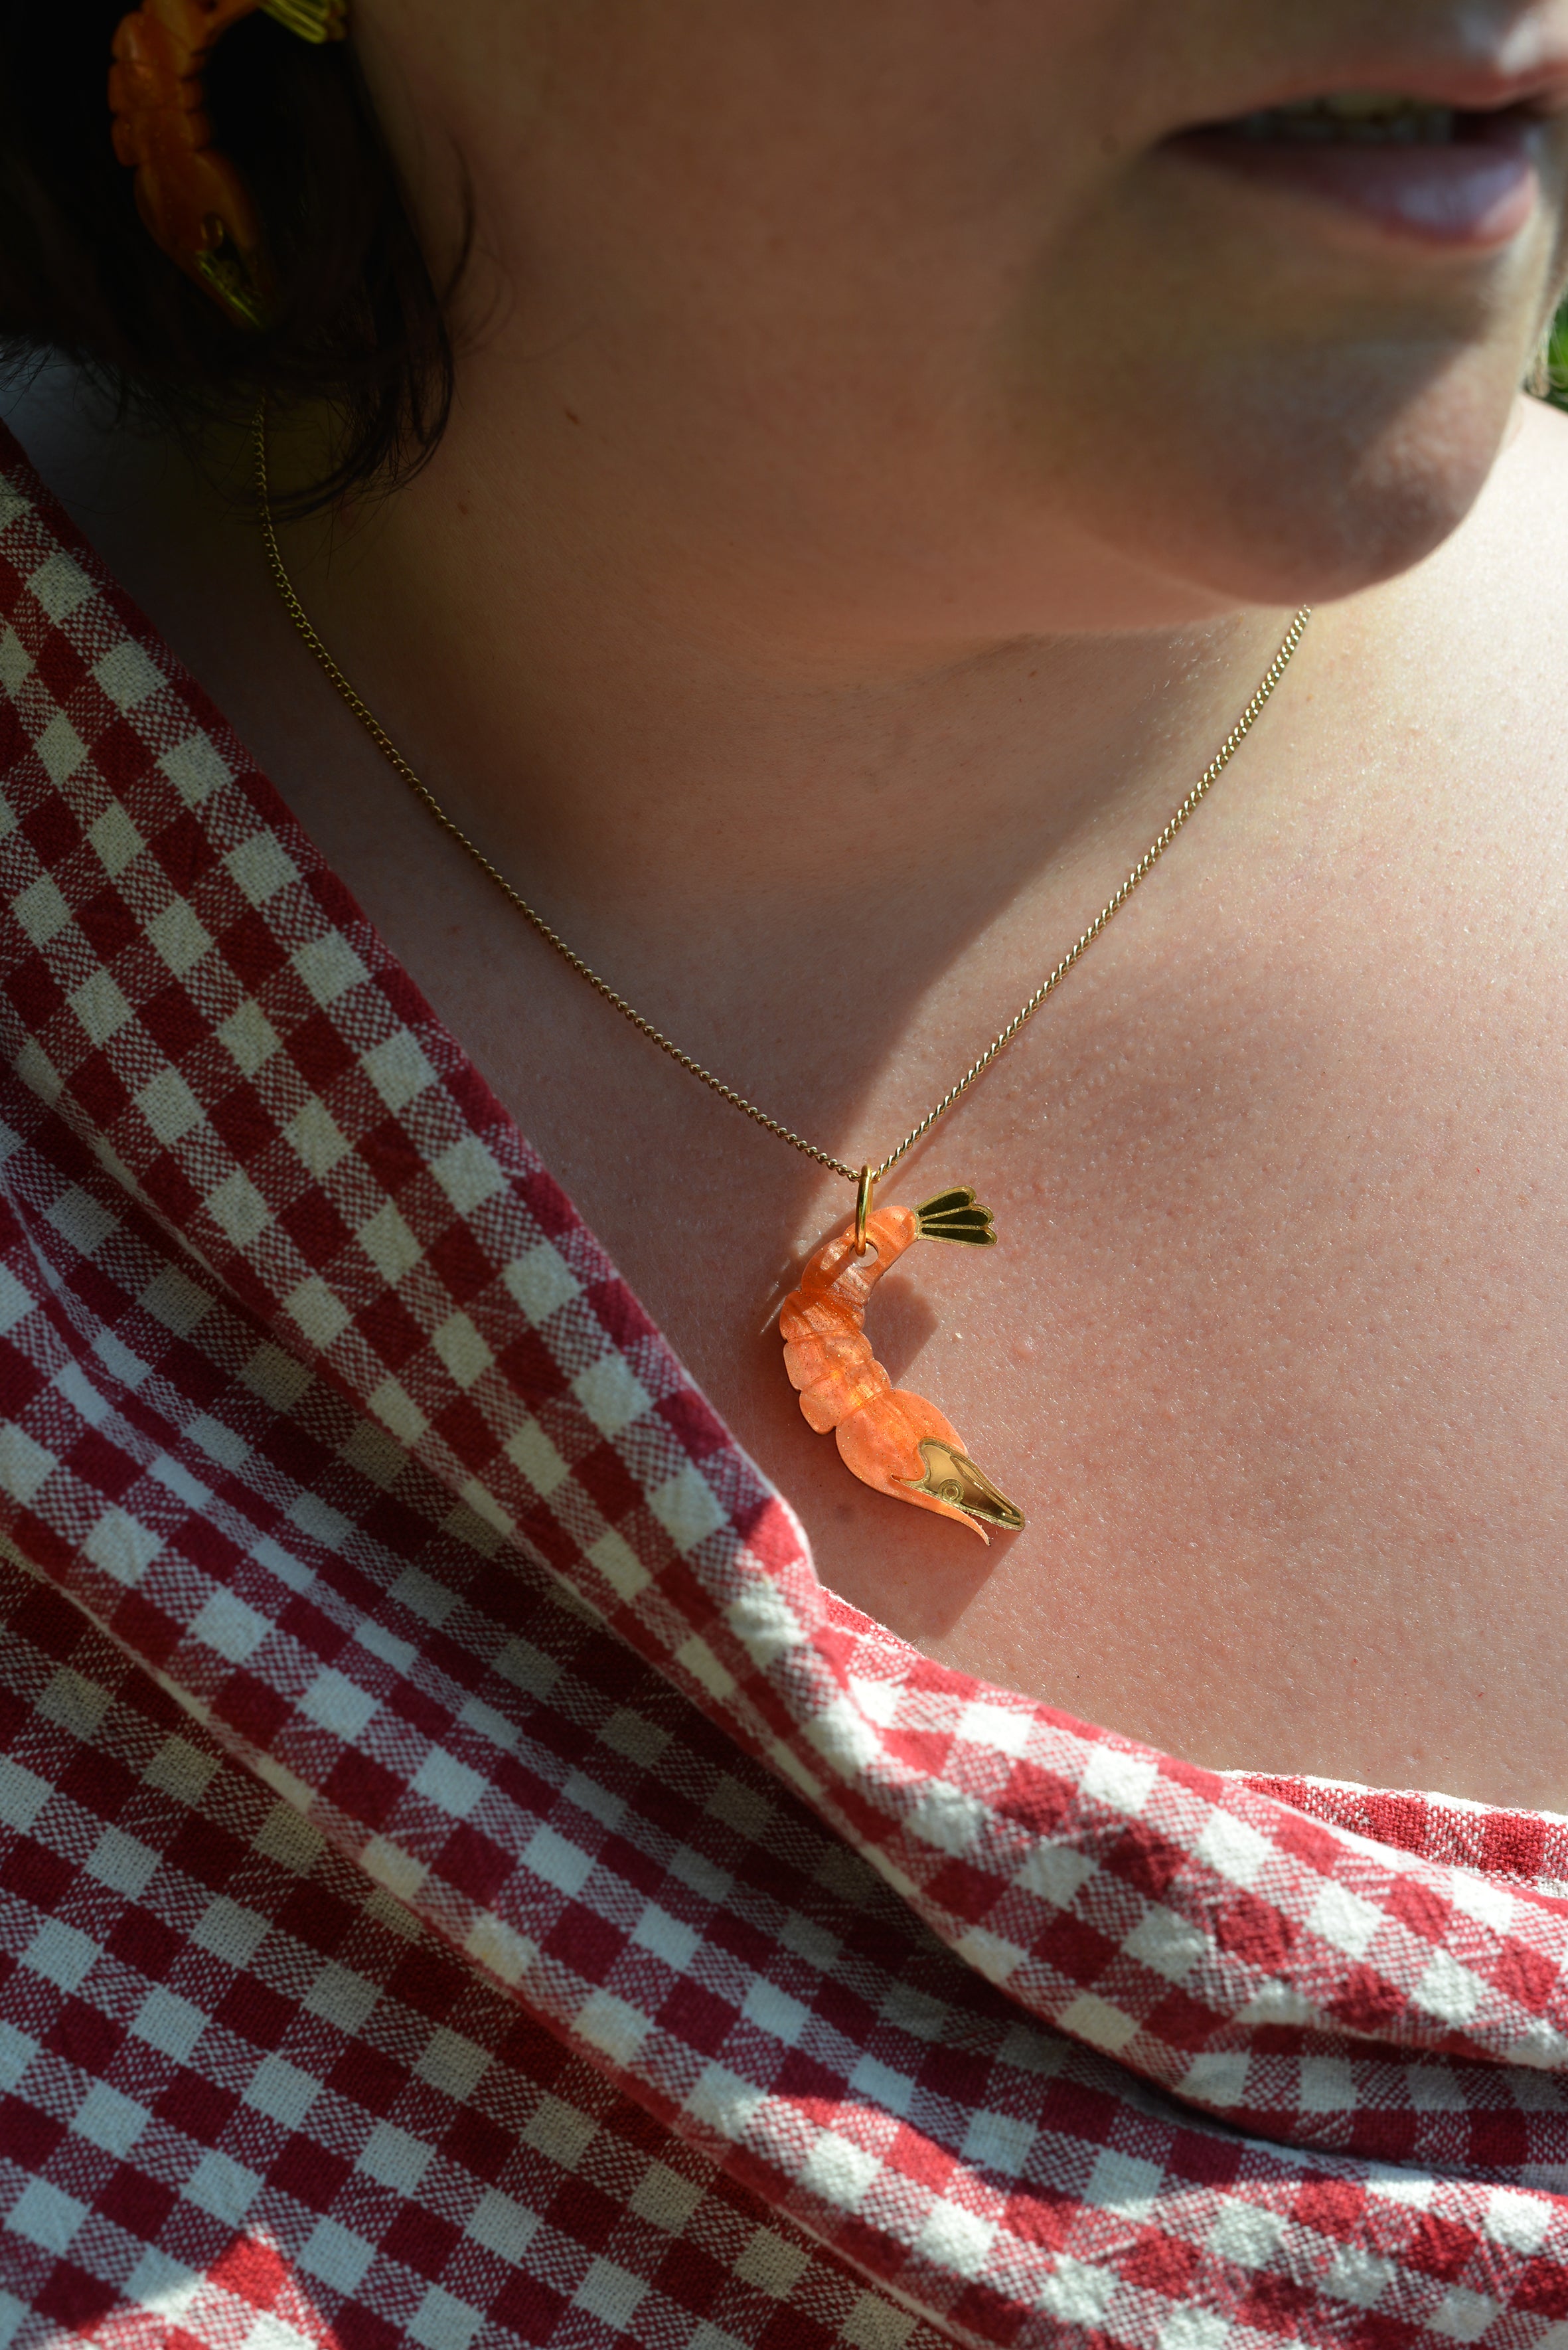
(895,1442)
(194,204)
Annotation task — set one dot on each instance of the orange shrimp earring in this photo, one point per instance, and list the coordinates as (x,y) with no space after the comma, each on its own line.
(192,201)
(895,1442)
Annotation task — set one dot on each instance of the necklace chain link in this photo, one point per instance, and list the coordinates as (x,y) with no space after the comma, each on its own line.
(1025,1011)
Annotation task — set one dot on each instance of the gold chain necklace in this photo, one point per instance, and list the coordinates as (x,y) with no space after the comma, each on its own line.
(882,1432)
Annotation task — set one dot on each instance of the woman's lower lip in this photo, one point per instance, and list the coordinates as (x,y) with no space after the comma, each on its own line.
(1471,196)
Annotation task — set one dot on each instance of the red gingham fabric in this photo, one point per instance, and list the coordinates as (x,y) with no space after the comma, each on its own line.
(421,1718)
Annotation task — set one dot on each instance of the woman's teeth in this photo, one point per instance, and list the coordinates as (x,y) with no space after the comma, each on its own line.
(1353,119)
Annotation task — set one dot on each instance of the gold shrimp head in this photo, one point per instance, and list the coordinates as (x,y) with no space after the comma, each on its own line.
(953,1478)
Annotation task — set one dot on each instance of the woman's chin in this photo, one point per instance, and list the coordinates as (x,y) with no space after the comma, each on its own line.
(1313,534)
(1311,486)
(1317,542)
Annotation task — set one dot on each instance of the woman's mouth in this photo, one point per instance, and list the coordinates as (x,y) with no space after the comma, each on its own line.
(1356,118)
(1409,167)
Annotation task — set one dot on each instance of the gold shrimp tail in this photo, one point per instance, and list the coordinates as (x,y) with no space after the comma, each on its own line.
(312,20)
(956,1216)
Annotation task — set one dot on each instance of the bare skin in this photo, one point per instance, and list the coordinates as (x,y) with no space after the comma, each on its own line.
(752,618)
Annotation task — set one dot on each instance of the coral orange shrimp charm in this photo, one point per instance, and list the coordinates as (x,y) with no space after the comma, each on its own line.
(894,1441)
(192,201)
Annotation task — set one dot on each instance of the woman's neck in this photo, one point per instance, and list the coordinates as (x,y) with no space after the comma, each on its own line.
(637,721)
(776,832)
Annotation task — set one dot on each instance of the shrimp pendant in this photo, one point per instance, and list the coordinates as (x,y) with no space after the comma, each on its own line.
(894,1441)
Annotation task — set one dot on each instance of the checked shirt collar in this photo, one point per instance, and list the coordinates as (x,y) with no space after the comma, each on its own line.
(326,1407)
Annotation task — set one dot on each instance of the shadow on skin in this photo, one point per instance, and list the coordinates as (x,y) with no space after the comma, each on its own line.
(904,1319)
(927,1595)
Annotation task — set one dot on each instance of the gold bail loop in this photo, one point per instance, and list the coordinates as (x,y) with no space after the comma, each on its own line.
(864,1190)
